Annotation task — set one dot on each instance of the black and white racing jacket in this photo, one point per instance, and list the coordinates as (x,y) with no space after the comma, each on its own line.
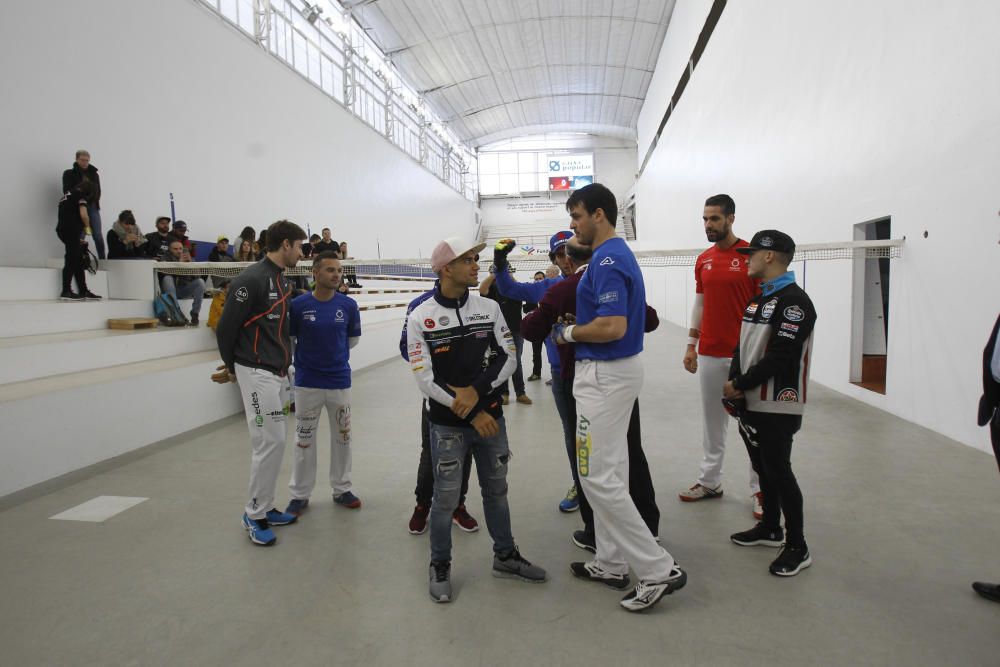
(771,363)
(460,342)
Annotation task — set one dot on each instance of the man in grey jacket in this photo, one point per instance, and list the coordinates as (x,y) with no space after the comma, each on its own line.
(255,345)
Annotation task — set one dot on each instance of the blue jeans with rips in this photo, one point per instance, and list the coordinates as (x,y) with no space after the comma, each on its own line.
(449,445)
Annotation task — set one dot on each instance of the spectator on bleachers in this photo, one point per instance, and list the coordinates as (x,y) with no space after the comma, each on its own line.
(327,244)
(307,249)
(552,272)
(182,286)
(313,240)
(261,248)
(71,178)
(125,239)
(350,272)
(249,234)
(220,253)
(179,232)
(158,242)
(71,226)
(245,253)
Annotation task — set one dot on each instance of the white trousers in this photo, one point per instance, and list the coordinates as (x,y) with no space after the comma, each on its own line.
(605,392)
(264,401)
(713,372)
(309,404)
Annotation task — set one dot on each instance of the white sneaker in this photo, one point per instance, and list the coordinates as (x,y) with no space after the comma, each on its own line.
(591,571)
(699,492)
(648,593)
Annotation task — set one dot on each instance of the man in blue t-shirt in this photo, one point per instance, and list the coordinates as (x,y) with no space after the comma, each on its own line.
(610,318)
(326,325)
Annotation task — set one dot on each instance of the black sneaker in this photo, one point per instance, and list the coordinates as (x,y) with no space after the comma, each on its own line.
(759,536)
(987,590)
(71,296)
(648,593)
(591,571)
(90,296)
(584,540)
(790,561)
(194,319)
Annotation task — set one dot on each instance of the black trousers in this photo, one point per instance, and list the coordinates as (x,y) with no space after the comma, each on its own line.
(72,262)
(995,434)
(536,357)
(768,438)
(425,470)
(640,483)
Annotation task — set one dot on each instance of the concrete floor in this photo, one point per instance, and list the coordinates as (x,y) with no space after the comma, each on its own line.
(898,520)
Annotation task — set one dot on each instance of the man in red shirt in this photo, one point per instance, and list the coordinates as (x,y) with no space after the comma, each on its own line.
(722,290)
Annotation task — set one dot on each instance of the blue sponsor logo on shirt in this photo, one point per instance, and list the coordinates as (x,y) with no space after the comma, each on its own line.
(607,261)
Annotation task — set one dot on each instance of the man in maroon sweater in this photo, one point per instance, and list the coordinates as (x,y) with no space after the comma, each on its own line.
(558,302)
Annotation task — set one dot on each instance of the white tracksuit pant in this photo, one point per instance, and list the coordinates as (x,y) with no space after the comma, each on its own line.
(713,372)
(309,403)
(264,400)
(605,392)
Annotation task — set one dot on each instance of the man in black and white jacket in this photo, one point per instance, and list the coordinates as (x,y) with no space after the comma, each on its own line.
(461,352)
(767,387)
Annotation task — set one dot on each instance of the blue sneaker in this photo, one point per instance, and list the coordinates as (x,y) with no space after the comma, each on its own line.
(297,506)
(348,499)
(570,503)
(276,518)
(260,531)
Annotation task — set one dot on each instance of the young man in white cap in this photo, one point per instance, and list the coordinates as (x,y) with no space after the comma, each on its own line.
(461,353)
(609,330)
(722,290)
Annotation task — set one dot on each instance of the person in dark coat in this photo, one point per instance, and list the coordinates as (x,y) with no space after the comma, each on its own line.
(989,413)
(73,177)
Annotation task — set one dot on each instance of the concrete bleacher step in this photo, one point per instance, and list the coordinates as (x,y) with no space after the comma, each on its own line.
(56,425)
(43,355)
(41,284)
(27,318)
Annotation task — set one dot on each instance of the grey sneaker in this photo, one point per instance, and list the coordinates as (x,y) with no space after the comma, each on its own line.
(440,576)
(515,566)
(648,593)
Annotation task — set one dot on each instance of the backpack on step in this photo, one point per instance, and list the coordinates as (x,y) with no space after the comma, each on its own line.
(168,311)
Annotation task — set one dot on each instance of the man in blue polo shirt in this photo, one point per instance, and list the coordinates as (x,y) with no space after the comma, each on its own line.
(326,325)
(610,318)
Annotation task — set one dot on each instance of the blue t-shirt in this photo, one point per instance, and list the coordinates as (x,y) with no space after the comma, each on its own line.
(322,350)
(612,285)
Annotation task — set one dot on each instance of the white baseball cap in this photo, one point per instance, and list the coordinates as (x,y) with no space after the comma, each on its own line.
(450,249)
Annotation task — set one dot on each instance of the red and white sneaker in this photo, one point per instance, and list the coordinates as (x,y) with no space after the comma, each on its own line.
(758,505)
(699,492)
(418,522)
(464,520)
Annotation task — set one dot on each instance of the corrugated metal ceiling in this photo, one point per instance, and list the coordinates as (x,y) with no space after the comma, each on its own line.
(494,69)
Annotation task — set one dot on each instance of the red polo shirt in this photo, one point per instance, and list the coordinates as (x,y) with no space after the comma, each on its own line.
(721,277)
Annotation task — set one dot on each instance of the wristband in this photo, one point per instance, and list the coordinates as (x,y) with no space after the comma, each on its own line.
(692,341)
(567,334)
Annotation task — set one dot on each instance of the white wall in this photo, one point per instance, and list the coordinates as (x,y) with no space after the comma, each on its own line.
(168,98)
(686,22)
(816,117)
